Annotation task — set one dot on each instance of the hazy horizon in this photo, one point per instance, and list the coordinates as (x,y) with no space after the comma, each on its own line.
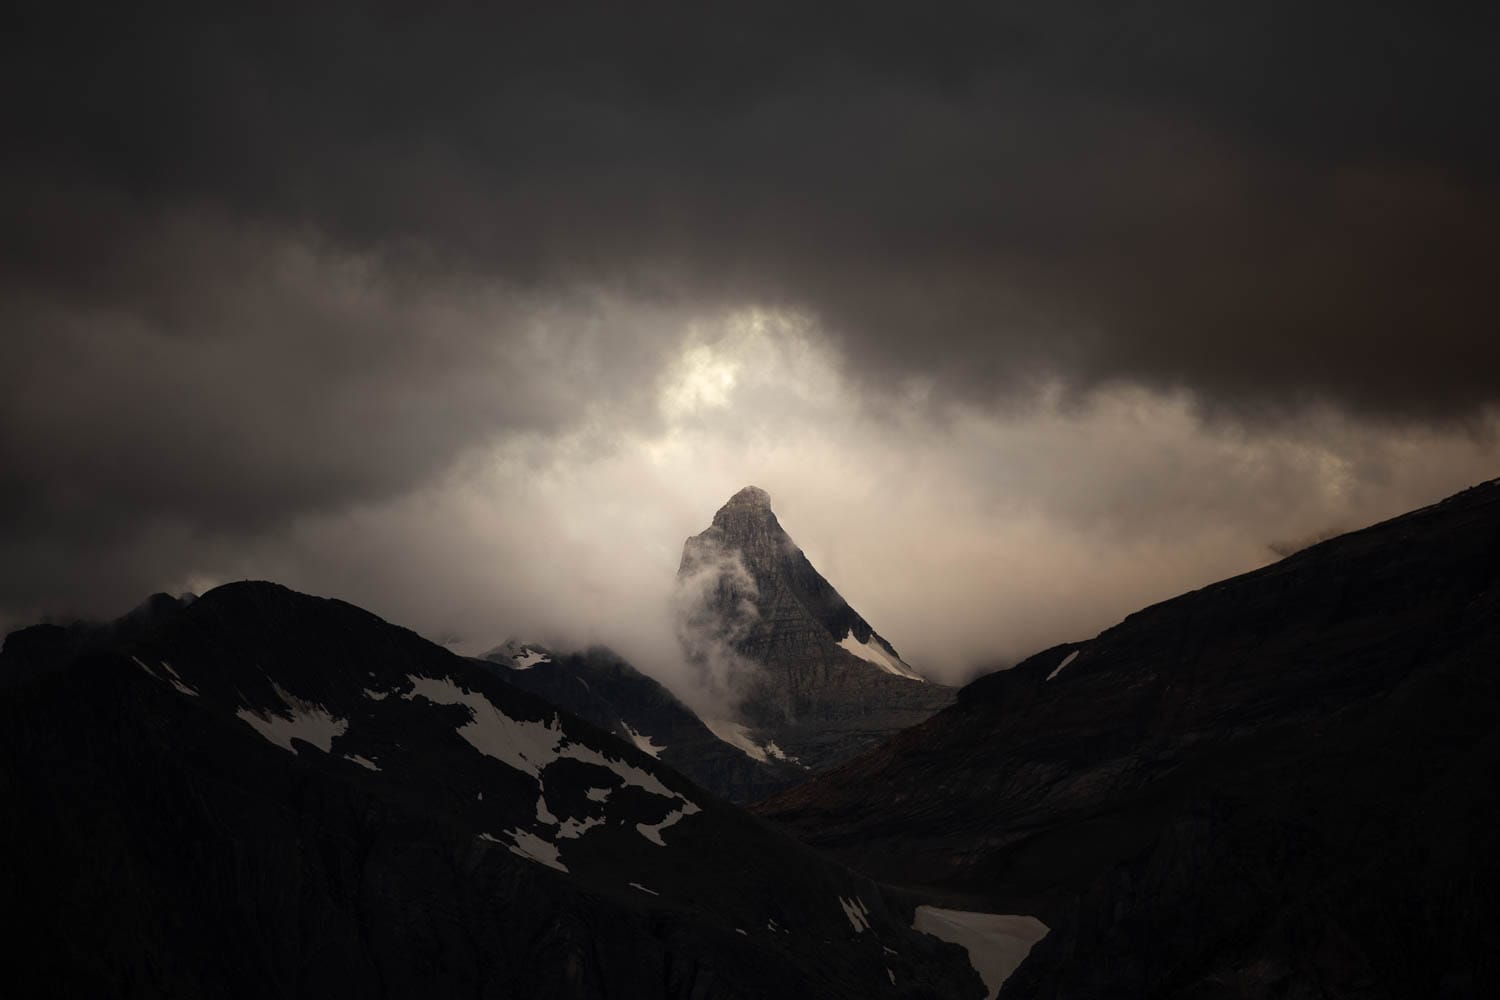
(1026,318)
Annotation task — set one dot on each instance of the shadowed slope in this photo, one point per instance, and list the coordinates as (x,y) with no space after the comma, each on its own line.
(270,794)
(1283,784)
(601,687)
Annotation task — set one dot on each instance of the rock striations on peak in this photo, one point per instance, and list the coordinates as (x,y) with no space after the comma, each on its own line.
(806,671)
(751,498)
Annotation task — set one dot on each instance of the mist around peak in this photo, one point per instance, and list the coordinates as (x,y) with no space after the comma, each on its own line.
(714,609)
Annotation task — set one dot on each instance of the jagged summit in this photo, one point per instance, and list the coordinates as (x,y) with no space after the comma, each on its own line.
(747,513)
(745,534)
(751,497)
(821,681)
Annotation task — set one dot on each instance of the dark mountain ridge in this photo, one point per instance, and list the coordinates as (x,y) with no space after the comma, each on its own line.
(1283,784)
(601,686)
(269,794)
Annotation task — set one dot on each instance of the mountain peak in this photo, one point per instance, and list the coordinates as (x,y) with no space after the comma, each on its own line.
(750,500)
(823,683)
(747,521)
(752,495)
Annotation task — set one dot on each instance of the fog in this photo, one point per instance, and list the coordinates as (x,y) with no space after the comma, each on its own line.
(1025,315)
(968,538)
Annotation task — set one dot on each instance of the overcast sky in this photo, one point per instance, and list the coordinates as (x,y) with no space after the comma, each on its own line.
(1025,314)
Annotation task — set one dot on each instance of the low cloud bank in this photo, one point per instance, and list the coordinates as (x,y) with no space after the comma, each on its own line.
(969,538)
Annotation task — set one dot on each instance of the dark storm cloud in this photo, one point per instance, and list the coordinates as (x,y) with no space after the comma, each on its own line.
(1268,200)
(258,267)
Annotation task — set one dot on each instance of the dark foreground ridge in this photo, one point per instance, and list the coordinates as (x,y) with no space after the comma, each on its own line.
(265,794)
(1286,784)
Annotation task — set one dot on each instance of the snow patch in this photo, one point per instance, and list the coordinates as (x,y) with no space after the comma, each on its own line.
(374,695)
(530,846)
(572,829)
(642,742)
(876,653)
(652,832)
(772,750)
(737,735)
(1065,661)
(528,658)
(629,773)
(598,794)
(298,719)
(362,761)
(177,682)
(525,746)
(637,885)
(171,678)
(531,746)
(859,917)
(997,943)
(888,972)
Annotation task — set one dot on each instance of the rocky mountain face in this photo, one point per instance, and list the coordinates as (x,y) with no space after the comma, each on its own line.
(807,672)
(32,651)
(1285,784)
(264,794)
(600,687)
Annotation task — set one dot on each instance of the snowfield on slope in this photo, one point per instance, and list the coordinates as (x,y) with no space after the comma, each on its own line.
(528,658)
(530,747)
(737,735)
(1065,661)
(997,943)
(642,742)
(874,652)
(296,719)
(859,917)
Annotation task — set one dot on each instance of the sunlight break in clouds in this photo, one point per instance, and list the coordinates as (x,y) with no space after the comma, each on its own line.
(968,538)
(701,378)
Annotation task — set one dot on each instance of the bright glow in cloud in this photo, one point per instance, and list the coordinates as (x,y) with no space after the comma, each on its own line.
(701,378)
(968,538)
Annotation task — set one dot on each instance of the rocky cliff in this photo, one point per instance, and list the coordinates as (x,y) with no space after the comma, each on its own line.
(806,671)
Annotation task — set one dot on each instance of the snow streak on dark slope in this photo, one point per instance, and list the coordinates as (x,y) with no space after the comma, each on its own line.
(601,687)
(268,794)
(823,684)
(1286,784)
